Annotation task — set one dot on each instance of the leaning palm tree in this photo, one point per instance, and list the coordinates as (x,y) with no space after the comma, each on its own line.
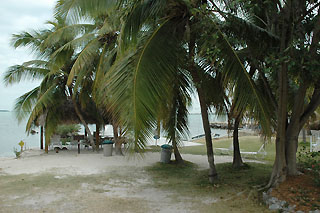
(154,38)
(52,92)
(97,52)
(181,20)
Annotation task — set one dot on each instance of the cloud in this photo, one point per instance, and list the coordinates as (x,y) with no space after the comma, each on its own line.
(17,16)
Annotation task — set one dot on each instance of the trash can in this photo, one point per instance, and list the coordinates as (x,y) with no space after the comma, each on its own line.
(166,151)
(107,148)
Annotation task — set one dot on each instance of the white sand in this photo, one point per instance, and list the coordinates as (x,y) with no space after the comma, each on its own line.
(132,191)
(88,162)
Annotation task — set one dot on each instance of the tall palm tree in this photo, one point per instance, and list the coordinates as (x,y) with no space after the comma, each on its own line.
(98,50)
(154,38)
(52,93)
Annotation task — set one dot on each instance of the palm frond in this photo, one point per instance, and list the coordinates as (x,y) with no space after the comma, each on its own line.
(72,45)
(75,10)
(138,82)
(246,92)
(175,108)
(37,63)
(27,39)
(141,13)
(20,72)
(240,28)
(53,119)
(49,98)
(24,104)
(235,71)
(84,60)
(66,33)
(212,85)
(106,59)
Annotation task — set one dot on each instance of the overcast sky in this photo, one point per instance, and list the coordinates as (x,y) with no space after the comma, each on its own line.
(17,16)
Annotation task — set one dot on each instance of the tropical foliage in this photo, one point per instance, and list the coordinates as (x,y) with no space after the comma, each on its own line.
(139,61)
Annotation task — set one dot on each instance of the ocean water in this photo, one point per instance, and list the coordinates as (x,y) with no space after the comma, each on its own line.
(11,133)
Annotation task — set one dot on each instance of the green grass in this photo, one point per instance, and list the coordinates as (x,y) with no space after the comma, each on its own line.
(234,191)
(247,144)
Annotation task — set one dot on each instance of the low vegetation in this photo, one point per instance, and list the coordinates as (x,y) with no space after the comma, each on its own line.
(67,130)
(247,144)
(310,162)
(235,190)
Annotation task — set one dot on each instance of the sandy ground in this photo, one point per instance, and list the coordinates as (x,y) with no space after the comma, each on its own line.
(86,163)
(89,182)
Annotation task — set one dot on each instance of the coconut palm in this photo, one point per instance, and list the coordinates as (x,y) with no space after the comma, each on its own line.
(175,23)
(52,94)
(97,52)
(154,38)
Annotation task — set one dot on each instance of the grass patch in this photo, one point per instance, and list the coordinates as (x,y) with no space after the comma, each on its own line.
(247,144)
(233,191)
(179,175)
(153,148)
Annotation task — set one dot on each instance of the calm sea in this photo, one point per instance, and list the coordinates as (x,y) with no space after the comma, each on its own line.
(11,133)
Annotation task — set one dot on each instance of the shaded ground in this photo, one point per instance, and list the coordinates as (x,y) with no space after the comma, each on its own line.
(300,191)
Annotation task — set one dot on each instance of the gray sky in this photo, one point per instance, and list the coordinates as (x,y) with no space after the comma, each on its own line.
(17,16)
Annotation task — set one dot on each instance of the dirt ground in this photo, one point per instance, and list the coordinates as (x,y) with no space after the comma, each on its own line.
(90,182)
(299,191)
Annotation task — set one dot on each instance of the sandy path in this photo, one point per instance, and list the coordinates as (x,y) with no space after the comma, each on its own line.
(86,163)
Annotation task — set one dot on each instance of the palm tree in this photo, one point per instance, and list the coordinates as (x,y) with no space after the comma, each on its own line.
(98,52)
(53,71)
(154,38)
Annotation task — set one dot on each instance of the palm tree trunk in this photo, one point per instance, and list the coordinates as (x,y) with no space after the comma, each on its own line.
(206,127)
(117,140)
(176,152)
(97,136)
(41,137)
(207,131)
(204,111)
(237,160)
(46,144)
(84,123)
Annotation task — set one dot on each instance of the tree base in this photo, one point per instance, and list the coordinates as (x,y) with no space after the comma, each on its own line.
(241,167)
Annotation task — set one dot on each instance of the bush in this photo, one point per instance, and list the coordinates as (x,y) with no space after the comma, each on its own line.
(311,162)
(66,130)
(16,152)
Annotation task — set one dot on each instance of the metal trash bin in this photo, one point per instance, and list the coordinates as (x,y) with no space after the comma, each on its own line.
(166,151)
(107,148)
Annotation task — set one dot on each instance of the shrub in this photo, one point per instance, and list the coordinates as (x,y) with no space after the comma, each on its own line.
(65,130)
(16,152)
(310,161)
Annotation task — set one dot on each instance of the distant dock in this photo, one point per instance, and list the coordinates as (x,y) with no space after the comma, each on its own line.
(220,125)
